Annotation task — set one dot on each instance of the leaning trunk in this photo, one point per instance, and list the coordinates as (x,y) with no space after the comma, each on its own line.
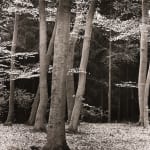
(41,112)
(146,97)
(10,117)
(82,69)
(56,127)
(143,61)
(35,104)
(70,60)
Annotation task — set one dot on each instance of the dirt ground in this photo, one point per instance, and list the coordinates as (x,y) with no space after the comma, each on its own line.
(90,137)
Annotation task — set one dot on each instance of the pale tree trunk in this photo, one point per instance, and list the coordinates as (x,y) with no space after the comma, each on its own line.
(70,60)
(143,61)
(10,117)
(56,138)
(73,125)
(41,111)
(146,97)
(109,82)
(35,104)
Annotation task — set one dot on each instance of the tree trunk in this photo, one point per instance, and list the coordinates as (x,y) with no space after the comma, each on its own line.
(146,97)
(109,84)
(35,104)
(82,70)
(10,117)
(70,60)
(41,111)
(56,139)
(143,61)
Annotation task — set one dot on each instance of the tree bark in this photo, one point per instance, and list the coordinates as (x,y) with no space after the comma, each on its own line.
(49,55)
(10,117)
(56,139)
(73,125)
(41,111)
(70,60)
(146,96)
(143,61)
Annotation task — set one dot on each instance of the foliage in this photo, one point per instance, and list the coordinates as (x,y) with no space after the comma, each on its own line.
(23,100)
(93,114)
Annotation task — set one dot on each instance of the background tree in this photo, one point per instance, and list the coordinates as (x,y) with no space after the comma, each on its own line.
(10,117)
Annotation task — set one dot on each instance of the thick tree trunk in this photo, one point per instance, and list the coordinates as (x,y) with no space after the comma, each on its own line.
(143,61)
(35,104)
(56,139)
(146,97)
(41,112)
(70,60)
(82,74)
(10,117)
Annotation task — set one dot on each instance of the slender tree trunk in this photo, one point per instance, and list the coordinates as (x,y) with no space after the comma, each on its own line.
(143,61)
(41,112)
(146,97)
(82,74)
(56,139)
(109,84)
(70,60)
(10,117)
(49,56)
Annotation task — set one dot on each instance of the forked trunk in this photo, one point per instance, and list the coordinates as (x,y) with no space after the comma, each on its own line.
(143,60)
(35,104)
(56,139)
(82,69)
(146,97)
(41,111)
(10,117)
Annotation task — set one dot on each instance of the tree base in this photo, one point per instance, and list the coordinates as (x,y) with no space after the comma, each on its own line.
(140,123)
(70,129)
(56,147)
(8,123)
(30,123)
(41,129)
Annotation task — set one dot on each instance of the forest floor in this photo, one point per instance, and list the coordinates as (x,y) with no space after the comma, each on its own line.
(90,137)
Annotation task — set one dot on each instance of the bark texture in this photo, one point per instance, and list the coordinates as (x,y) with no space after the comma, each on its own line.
(41,111)
(82,69)
(143,60)
(10,117)
(56,139)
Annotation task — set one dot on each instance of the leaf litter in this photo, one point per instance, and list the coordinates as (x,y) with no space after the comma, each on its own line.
(90,137)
